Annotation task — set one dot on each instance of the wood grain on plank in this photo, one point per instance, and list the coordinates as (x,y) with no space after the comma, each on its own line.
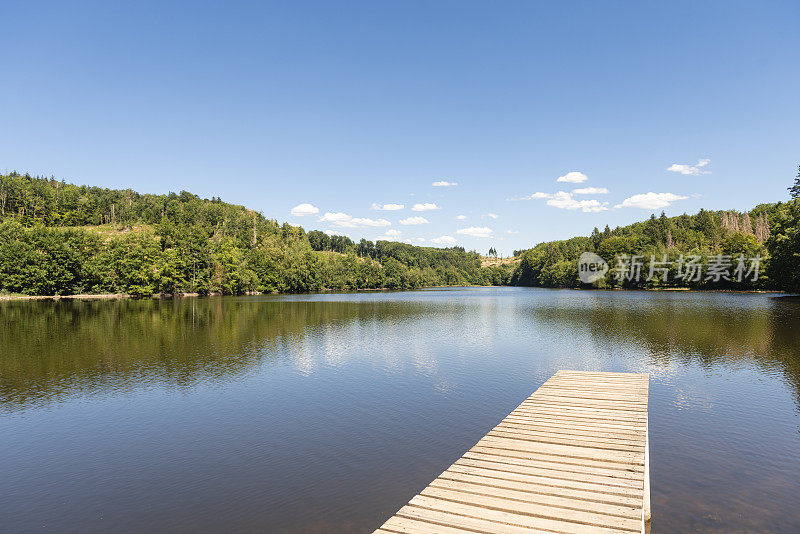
(570,458)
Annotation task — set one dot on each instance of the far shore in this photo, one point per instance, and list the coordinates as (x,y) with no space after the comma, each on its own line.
(164,296)
(98,296)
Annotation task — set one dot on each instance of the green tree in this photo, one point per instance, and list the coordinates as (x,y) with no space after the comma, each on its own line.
(784,247)
(794,190)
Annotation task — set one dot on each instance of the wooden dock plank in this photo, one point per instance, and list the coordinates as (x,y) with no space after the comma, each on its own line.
(571,458)
(524,496)
(543,489)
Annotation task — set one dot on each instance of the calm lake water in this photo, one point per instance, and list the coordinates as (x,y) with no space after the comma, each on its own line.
(327,412)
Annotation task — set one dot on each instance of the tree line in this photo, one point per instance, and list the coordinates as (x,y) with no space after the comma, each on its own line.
(58,238)
(770,232)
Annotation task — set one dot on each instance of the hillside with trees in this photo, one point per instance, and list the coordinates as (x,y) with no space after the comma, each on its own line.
(770,232)
(62,239)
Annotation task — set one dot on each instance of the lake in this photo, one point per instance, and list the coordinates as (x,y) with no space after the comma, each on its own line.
(328,412)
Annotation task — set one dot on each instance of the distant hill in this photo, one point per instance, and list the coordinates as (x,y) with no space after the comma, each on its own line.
(62,239)
(768,231)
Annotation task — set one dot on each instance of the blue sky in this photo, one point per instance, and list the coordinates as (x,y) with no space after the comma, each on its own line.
(347,105)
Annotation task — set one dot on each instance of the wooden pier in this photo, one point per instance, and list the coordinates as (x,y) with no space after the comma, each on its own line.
(572,458)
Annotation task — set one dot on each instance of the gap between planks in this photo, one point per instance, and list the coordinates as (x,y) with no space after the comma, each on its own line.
(571,458)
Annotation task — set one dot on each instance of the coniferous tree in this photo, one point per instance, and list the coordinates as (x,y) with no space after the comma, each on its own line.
(746,227)
(759,230)
(794,191)
(734,221)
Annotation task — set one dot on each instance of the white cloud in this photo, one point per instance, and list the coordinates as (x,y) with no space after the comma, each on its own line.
(426,206)
(461,217)
(573,177)
(301,210)
(593,206)
(444,240)
(533,196)
(387,207)
(569,203)
(512,231)
(390,235)
(493,215)
(369,222)
(343,220)
(411,221)
(335,217)
(590,191)
(475,231)
(566,201)
(444,183)
(694,170)
(650,201)
(415,240)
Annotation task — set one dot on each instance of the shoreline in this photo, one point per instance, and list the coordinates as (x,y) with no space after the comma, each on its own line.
(100,296)
(167,296)
(94,296)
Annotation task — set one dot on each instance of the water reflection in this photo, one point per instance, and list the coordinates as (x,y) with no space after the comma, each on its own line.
(55,349)
(716,331)
(325,413)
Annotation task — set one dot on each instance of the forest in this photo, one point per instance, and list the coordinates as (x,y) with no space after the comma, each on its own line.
(770,232)
(62,239)
(58,238)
